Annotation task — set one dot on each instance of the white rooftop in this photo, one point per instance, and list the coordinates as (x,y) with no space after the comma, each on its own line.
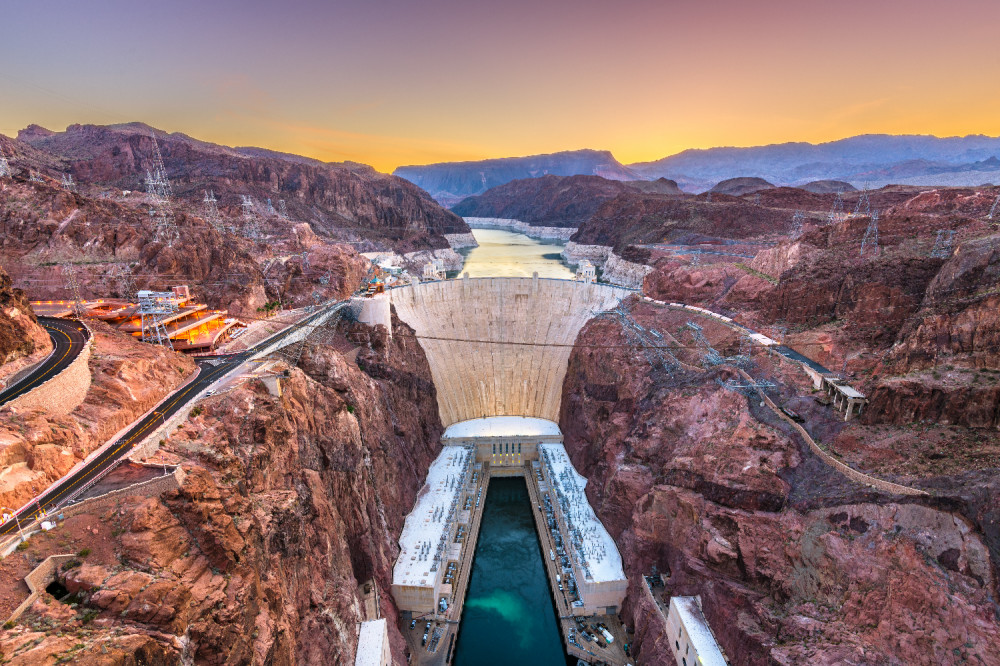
(698,630)
(370,643)
(503,426)
(427,526)
(592,546)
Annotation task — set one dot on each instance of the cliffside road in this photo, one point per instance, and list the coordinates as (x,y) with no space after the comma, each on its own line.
(212,370)
(68,340)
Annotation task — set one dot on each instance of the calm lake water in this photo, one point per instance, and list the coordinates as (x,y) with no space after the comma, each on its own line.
(509,617)
(509,254)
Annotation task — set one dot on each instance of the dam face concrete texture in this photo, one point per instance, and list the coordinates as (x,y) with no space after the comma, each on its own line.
(507,369)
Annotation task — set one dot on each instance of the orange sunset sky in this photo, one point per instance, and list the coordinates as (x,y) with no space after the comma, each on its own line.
(393,82)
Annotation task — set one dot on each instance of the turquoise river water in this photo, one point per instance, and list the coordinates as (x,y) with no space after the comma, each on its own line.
(509,617)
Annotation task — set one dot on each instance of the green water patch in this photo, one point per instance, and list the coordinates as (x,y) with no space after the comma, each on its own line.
(509,616)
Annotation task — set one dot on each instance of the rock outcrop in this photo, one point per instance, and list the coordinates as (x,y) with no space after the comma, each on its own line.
(37,447)
(288,506)
(341,201)
(794,564)
(22,341)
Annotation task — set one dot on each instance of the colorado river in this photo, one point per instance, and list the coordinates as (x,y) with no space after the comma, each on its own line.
(508,254)
(508,617)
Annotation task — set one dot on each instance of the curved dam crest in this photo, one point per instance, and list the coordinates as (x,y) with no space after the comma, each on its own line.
(505,342)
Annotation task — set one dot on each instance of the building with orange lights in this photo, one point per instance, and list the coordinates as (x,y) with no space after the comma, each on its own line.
(192,328)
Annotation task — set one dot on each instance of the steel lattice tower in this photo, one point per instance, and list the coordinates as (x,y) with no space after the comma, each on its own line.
(73,286)
(153,305)
(126,283)
(837,210)
(4,167)
(68,183)
(864,205)
(871,236)
(212,212)
(943,244)
(159,190)
(797,221)
(251,225)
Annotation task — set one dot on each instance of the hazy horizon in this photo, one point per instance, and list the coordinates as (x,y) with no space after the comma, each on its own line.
(392,83)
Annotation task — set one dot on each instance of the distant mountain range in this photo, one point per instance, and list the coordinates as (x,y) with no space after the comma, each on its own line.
(876,159)
(450,182)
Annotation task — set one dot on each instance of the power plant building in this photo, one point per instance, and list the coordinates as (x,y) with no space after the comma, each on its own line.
(591,553)
(427,542)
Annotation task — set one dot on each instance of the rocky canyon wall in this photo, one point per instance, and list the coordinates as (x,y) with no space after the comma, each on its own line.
(288,505)
(794,563)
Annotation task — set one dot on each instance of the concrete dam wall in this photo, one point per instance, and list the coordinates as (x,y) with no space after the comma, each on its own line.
(496,358)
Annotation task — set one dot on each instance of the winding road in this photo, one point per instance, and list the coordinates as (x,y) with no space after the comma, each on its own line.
(211,371)
(69,337)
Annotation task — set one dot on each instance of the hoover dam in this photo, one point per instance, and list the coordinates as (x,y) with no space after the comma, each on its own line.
(498,350)
(500,346)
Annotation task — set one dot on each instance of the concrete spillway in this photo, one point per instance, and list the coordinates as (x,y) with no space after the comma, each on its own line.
(504,343)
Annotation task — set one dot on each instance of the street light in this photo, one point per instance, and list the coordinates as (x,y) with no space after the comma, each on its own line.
(7,513)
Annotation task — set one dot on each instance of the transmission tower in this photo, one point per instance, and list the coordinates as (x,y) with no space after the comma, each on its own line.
(212,212)
(73,286)
(649,340)
(126,283)
(68,183)
(995,209)
(33,177)
(710,357)
(943,244)
(749,389)
(696,259)
(837,210)
(4,167)
(251,225)
(153,307)
(864,205)
(756,199)
(270,207)
(159,190)
(708,198)
(282,210)
(797,221)
(871,236)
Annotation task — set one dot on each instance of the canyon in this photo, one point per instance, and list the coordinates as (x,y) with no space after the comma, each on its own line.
(295,482)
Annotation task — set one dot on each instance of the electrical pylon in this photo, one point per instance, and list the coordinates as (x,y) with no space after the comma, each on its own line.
(837,210)
(871,236)
(251,225)
(73,286)
(943,244)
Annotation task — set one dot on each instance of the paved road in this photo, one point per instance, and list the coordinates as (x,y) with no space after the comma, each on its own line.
(211,371)
(68,339)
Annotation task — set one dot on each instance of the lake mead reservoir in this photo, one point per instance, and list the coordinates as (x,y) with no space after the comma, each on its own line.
(504,253)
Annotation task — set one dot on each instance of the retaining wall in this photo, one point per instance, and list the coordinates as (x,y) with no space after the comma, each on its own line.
(64,392)
(151,488)
(38,580)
